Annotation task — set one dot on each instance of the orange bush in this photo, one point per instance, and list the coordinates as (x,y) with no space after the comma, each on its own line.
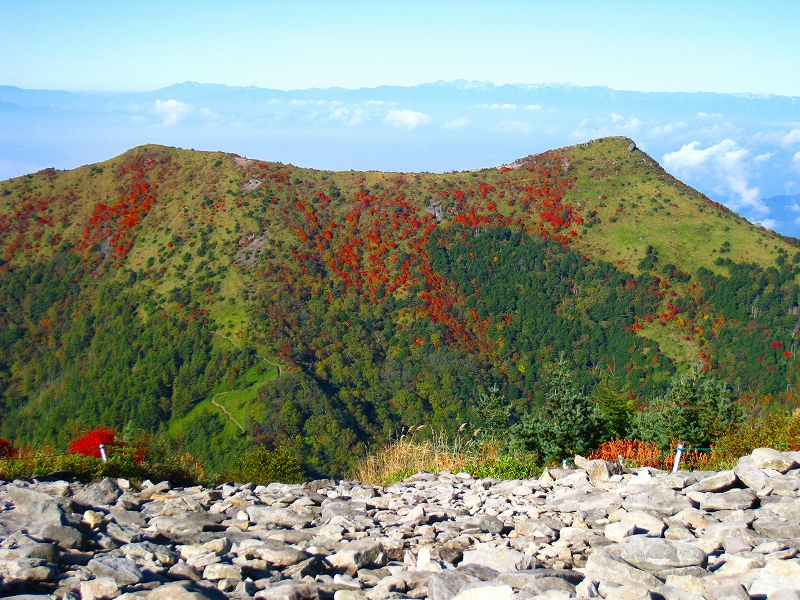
(647,454)
(642,453)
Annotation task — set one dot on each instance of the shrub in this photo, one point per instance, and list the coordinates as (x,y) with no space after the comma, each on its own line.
(89,443)
(261,466)
(7,449)
(440,452)
(567,424)
(179,470)
(635,453)
(780,431)
(646,454)
(695,410)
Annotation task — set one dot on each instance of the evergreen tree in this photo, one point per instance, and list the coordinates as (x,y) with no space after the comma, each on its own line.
(695,410)
(566,424)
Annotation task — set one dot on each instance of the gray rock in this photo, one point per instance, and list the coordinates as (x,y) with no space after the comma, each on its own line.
(282,517)
(275,553)
(217,571)
(644,523)
(777,529)
(731,500)
(101,494)
(30,570)
(122,570)
(357,554)
(748,474)
(654,554)
(102,588)
(716,483)
(499,559)
(741,562)
(767,458)
(447,584)
(598,470)
(124,534)
(602,566)
(657,501)
(289,591)
(486,592)
(66,537)
(785,595)
(176,591)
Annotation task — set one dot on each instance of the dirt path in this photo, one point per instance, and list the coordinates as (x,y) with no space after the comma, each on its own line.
(225,410)
(214,397)
(269,362)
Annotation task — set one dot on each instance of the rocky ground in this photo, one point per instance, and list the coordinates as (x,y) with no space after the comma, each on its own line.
(573,533)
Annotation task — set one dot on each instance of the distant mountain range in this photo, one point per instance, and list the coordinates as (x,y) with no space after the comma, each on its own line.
(742,150)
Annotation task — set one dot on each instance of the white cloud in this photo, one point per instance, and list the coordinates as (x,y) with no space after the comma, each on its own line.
(763,157)
(172,111)
(496,106)
(615,117)
(456,123)
(533,107)
(349,117)
(726,163)
(796,161)
(274,101)
(791,138)
(705,115)
(408,119)
(668,128)
(767,223)
(373,102)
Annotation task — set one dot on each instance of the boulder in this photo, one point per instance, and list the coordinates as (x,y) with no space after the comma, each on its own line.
(654,554)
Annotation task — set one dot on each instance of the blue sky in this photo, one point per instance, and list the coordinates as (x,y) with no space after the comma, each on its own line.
(642,45)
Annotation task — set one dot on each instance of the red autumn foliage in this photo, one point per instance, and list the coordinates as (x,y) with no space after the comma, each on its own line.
(89,443)
(7,449)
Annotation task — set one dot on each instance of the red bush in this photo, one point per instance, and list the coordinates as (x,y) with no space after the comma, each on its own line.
(7,449)
(89,443)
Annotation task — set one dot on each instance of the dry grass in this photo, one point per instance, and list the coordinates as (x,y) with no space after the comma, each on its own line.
(437,452)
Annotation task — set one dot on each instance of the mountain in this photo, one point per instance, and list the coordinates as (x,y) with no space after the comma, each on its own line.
(213,300)
(736,148)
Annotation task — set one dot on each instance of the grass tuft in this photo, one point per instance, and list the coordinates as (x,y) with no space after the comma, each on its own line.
(440,452)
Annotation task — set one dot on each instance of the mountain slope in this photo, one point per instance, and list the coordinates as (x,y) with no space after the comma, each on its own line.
(134,292)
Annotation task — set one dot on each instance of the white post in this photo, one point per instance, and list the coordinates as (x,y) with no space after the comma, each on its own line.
(103,453)
(564,464)
(678,455)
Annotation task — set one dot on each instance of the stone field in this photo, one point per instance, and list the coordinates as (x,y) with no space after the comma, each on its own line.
(597,531)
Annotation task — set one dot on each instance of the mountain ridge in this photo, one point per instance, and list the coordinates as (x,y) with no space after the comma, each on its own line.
(389,298)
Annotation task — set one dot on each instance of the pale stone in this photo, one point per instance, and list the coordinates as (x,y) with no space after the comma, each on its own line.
(488,592)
